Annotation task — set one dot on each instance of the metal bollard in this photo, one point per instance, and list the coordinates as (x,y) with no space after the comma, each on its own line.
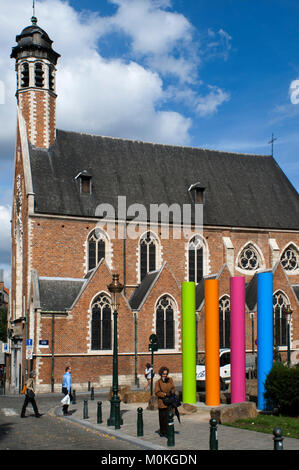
(85,410)
(74,397)
(89,386)
(139,422)
(170,440)
(92,393)
(278,439)
(99,413)
(213,434)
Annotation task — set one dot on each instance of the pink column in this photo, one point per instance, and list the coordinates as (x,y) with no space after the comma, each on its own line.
(237,339)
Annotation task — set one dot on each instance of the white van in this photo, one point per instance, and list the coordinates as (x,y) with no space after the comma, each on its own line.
(224,359)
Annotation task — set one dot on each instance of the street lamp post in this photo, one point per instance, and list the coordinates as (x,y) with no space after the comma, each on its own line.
(289,312)
(115,420)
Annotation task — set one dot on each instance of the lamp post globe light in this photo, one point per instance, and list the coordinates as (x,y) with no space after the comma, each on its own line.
(115,288)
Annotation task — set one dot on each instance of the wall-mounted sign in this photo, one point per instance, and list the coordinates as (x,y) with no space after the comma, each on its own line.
(43,343)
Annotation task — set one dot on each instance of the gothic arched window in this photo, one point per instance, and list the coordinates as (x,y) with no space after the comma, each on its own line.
(165,322)
(224,322)
(39,75)
(25,75)
(290,259)
(280,319)
(96,248)
(101,329)
(195,251)
(249,258)
(148,254)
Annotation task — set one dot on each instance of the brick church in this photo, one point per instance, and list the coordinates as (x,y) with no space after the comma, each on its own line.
(64,254)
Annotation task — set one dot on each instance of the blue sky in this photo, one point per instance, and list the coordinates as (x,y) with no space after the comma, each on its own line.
(214,74)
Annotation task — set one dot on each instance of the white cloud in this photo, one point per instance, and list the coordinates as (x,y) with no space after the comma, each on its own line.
(104,96)
(207,105)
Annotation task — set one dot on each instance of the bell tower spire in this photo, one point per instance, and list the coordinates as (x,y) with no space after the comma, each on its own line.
(36,82)
(33,18)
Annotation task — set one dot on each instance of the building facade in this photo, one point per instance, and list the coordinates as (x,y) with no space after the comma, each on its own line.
(76,197)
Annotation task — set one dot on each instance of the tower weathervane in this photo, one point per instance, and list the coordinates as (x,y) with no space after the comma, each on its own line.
(33,18)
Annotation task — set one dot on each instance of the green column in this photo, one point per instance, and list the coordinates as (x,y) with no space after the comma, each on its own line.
(188,342)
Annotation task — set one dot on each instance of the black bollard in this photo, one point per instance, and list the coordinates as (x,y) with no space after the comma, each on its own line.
(278,439)
(213,434)
(92,393)
(74,397)
(139,422)
(99,414)
(89,386)
(85,410)
(170,440)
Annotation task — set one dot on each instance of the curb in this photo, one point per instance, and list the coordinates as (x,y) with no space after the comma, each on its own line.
(114,433)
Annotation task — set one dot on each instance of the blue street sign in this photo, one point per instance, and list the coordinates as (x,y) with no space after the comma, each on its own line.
(29,342)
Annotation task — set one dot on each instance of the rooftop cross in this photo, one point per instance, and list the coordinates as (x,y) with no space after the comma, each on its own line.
(272,142)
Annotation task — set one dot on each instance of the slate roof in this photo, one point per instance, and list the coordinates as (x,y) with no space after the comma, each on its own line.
(143,289)
(296,290)
(58,294)
(241,190)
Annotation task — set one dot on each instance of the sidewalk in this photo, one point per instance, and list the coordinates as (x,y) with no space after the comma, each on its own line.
(191,434)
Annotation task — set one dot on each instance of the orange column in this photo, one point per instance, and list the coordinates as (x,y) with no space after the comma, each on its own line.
(212,342)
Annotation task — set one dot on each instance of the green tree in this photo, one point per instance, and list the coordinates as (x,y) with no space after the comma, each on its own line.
(3,324)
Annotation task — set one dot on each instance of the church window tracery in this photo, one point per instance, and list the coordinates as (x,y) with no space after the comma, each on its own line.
(101,329)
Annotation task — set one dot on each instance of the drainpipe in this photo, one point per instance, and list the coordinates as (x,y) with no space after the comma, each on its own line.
(136,350)
(52,366)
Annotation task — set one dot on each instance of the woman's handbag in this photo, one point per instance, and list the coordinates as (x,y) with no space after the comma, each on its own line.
(23,392)
(30,393)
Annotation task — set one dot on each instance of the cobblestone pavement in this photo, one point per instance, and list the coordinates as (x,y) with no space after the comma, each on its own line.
(191,434)
(53,431)
(49,432)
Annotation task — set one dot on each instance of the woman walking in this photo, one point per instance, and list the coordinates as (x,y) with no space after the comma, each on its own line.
(30,396)
(164,387)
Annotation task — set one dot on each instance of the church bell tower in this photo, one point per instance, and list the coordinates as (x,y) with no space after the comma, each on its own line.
(36,83)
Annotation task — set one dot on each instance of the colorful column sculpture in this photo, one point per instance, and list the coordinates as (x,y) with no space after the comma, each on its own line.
(212,342)
(188,342)
(237,341)
(264,333)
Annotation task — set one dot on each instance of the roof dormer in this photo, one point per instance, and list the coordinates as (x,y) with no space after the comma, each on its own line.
(197,193)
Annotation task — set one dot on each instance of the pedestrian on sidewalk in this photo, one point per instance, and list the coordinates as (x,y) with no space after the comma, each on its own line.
(148,374)
(164,387)
(30,396)
(67,388)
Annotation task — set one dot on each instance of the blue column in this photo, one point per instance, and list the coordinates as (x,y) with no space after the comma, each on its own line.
(264,333)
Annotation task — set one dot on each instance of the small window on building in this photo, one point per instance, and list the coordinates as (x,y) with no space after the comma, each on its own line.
(96,248)
(280,324)
(197,193)
(51,78)
(290,259)
(84,180)
(39,75)
(148,253)
(195,251)
(25,75)
(249,258)
(224,322)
